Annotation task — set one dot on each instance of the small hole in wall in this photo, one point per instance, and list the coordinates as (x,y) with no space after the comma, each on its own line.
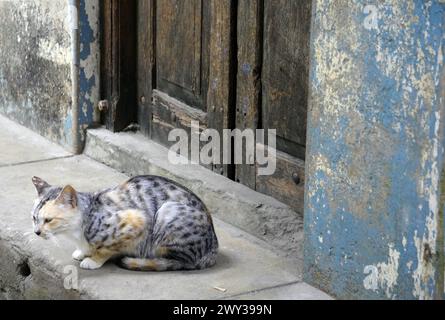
(24,269)
(427,253)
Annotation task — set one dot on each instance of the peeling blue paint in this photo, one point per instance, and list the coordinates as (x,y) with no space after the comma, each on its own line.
(87,85)
(374,149)
(86,32)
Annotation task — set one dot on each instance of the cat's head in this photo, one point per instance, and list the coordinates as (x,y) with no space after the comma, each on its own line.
(55,210)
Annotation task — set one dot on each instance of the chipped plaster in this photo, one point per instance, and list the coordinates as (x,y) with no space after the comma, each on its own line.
(383,275)
(375,131)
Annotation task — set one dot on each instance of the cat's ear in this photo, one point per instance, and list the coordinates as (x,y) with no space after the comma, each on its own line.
(68,196)
(41,185)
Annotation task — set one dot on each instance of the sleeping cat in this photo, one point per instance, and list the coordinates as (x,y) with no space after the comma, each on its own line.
(149,222)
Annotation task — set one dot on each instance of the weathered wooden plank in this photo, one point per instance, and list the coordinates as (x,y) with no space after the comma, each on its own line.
(176,24)
(175,111)
(248,100)
(222,74)
(106,59)
(169,113)
(285,73)
(127,107)
(287,184)
(181,48)
(119,67)
(284,96)
(146,62)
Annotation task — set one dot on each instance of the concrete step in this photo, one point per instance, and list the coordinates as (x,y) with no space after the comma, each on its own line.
(33,268)
(256,213)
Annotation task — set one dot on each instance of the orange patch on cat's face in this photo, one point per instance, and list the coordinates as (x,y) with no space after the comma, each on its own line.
(53,217)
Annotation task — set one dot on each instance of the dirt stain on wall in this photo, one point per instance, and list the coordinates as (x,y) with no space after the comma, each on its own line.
(35,77)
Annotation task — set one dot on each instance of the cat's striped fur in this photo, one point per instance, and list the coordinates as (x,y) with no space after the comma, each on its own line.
(148,222)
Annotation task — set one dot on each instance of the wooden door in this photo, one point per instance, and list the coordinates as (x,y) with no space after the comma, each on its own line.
(185,66)
(227,64)
(272,89)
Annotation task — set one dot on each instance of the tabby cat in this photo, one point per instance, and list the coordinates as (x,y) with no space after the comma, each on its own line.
(150,223)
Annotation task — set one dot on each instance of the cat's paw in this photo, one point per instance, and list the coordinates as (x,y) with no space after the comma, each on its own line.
(90,264)
(78,255)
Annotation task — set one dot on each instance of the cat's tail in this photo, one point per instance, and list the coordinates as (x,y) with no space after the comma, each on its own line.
(156,264)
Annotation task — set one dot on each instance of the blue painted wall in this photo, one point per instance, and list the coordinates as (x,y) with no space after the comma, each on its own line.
(373,227)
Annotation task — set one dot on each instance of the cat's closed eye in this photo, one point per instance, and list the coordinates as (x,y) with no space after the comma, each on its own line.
(48,220)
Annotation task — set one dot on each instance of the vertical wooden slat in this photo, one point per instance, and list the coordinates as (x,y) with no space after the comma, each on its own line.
(285,72)
(106,52)
(119,51)
(111,52)
(221,73)
(198,19)
(181,48)
(146,62)
(127,106)
(284,93)
(248,100)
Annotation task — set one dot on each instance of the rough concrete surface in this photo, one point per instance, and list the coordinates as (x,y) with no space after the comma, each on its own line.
(33,268)
(27,147)
(258,214)
(297,291)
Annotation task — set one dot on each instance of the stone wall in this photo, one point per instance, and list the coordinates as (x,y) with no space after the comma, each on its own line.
(35,65)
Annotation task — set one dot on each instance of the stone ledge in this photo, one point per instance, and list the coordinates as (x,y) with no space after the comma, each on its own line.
(32,268)
(258,214)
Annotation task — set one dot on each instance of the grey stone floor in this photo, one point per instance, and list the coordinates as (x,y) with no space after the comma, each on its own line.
(247,268)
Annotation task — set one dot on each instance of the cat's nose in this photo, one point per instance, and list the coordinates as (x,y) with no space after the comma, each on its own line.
(38,232)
